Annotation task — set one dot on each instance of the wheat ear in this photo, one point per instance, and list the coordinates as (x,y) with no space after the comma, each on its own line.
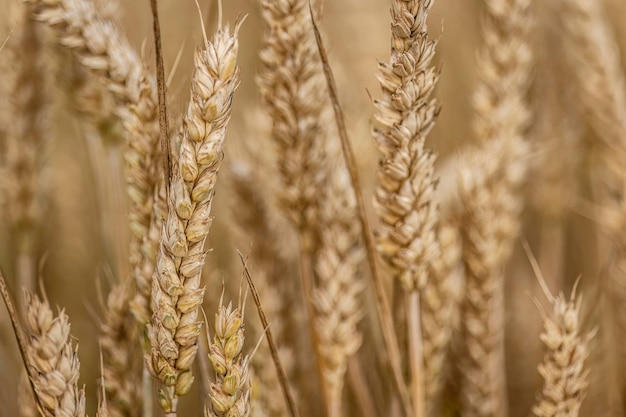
(402,119)
(292,88)
(230,393)
(439,305)
(563,368)
(404,194)
(489,183)
(176,291)
(118,344)
(103,50)
(336,296)
(54,360)
(601,86)
(23,185)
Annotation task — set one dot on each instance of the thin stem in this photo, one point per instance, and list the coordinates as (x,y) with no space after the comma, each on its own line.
(161,86)
(382,304)
(19,335)
(282,376)
(415,352)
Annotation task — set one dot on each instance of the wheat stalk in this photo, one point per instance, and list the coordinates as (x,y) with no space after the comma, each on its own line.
(54,360)
(176,291)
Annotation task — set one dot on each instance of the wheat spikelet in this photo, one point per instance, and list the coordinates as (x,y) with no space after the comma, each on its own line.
(230,393)
(55,361)
(402,119)
(563,367)
(176,291)
(293,90)
(103,50)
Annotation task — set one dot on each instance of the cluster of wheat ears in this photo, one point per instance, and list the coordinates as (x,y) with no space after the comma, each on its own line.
(387,306)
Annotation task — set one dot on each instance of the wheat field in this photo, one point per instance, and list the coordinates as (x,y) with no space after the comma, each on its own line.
(284,208)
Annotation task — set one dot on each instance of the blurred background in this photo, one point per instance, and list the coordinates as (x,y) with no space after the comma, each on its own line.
(82,237)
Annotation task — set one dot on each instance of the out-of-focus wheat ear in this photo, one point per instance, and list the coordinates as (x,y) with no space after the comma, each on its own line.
(255,223)
(601,87)
(120,350)
(595,61)
(229,394)
(102,50)
(439,306)
(23,184)
(176,291)
(557,142)
(292,87)
(565,376)
(54,360)
(490,179)
(338,287)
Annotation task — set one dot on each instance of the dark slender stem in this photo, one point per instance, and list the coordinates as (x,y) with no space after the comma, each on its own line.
(19,335)
(382,304)
(163,126)
(282,376)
